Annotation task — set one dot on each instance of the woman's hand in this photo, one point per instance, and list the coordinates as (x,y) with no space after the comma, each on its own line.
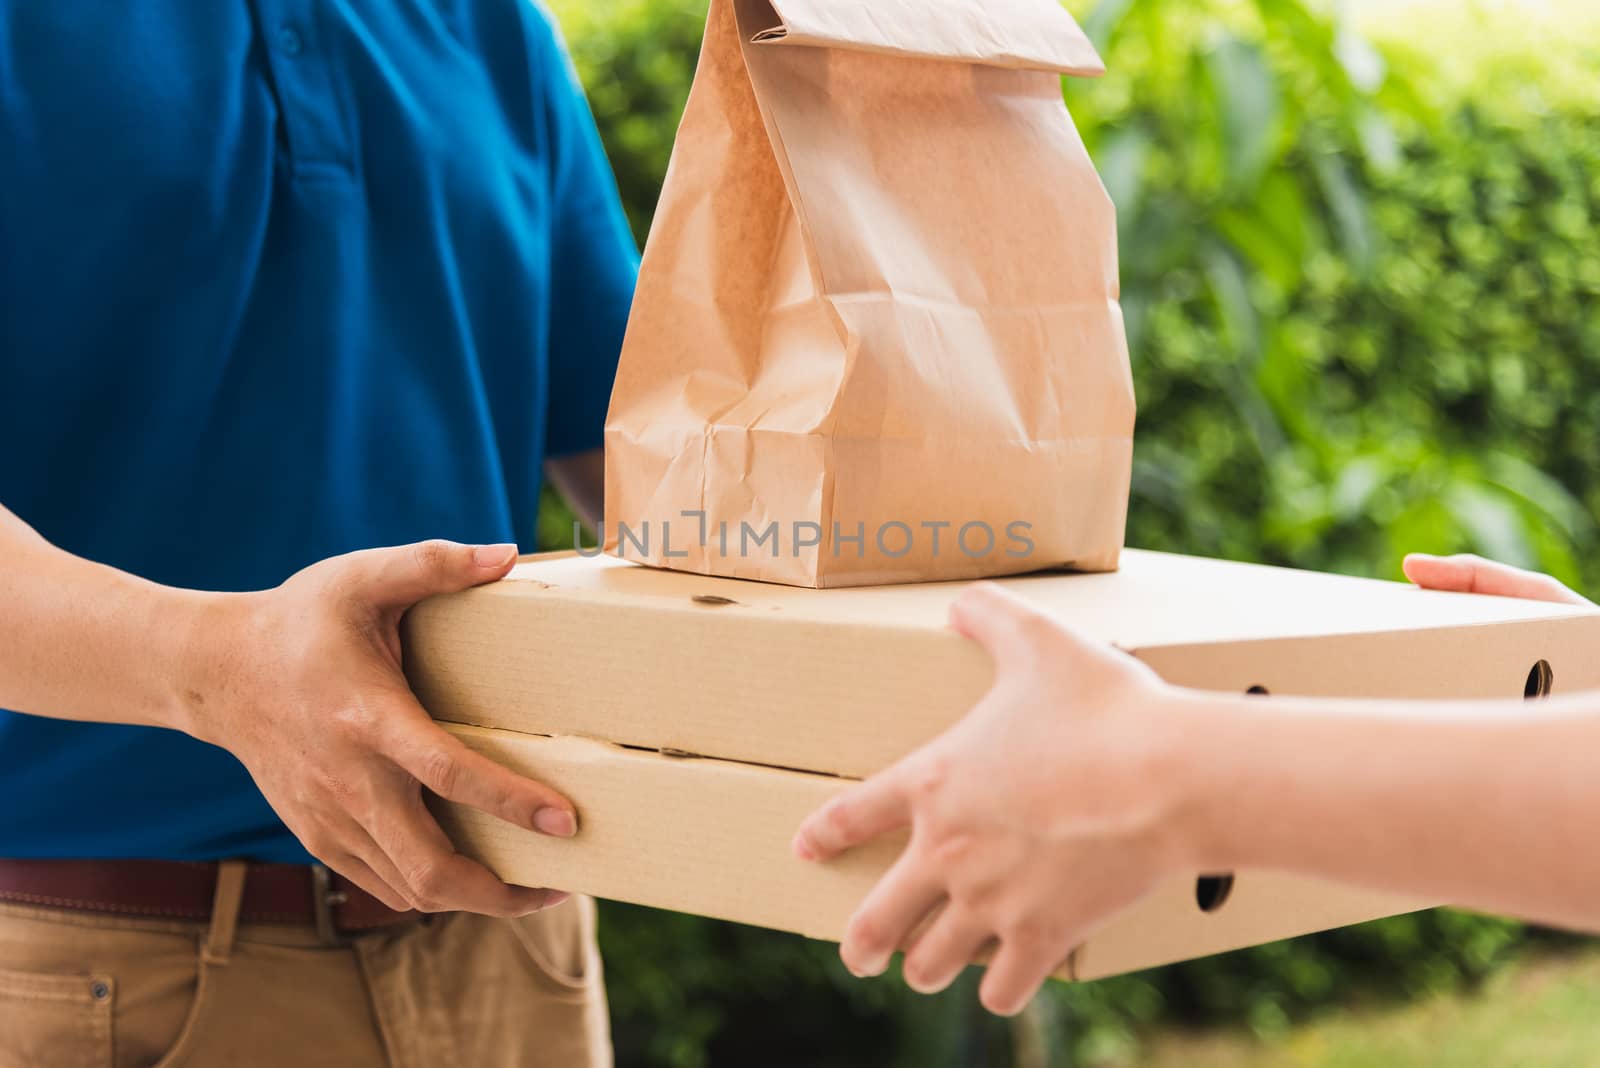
(1465,573)
(303,685)
(1049,808)
(1081,780)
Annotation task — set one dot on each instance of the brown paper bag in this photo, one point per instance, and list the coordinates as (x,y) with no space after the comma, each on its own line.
(876,336)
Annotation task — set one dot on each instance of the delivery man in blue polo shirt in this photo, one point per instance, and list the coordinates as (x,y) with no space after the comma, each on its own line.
(282,282)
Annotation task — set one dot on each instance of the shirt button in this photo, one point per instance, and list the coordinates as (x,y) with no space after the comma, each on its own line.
(290,43)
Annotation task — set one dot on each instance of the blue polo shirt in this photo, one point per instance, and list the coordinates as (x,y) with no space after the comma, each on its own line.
(279,279)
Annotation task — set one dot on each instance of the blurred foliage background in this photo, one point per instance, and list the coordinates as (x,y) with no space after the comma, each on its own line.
(1361,276)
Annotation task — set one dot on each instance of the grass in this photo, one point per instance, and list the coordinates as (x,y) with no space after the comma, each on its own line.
(1540,1013)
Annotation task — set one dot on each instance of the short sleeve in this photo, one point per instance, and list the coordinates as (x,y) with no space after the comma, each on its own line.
(594,262)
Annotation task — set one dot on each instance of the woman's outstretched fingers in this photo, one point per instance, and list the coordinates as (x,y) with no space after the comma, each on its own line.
(858,815)
(1019,968)
(1051,782)
(1466,573)
(891,912)
(951,942)
(997,620)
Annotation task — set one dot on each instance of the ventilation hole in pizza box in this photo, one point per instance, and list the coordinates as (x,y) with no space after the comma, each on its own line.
(1540,678)
(1211,891)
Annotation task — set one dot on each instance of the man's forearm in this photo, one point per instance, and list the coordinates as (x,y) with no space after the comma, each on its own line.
(79,640)
(1487,805)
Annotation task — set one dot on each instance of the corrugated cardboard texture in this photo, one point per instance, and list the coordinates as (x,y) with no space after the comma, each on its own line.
(846,681)
(764,678)
(712,837)
(704,836)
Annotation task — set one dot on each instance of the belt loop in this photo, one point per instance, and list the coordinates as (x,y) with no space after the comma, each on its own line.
(225,911)
(325,899)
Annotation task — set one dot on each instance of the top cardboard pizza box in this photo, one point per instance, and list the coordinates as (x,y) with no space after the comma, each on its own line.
(695,720)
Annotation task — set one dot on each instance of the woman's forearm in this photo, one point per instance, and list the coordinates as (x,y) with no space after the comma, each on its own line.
(1081,782)
(1487,805)
(82,641)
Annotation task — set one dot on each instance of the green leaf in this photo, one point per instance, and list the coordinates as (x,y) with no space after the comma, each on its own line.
(1283,378)
(1121,162)
(1379,142)
(1102,22)
(1360,60)
(1230,289)
(1518,477)
(1247,100)
(1353,491)
(1270,232)
(1492,522)
(1347,207)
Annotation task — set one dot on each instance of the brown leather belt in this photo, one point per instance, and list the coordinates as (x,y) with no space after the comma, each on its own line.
(292,894)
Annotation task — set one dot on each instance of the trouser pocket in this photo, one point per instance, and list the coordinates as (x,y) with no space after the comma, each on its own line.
(53,1020)
(474,992)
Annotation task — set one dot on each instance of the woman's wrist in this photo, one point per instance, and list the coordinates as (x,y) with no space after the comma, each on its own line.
(1165,748)
(1211,773)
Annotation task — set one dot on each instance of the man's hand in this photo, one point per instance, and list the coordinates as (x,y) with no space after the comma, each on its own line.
(1465,573)
(1042,813)
(303,685)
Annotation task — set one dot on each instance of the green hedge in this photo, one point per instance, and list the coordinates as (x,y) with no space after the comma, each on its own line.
(1364,309)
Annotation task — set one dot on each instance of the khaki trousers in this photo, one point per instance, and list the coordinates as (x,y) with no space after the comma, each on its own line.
(87,990)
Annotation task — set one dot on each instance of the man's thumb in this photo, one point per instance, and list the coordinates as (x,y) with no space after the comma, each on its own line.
(401,576)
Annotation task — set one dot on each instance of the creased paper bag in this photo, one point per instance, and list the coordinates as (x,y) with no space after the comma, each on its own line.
(876,335)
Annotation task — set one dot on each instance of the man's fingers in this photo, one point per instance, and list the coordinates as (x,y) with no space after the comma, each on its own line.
(1466,573)
(1018,970)
(366,849)
(362,874)
(860,814)
(399,577)
(939,954)
(891,911)
(436,878)
(343,845)
(454,771)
